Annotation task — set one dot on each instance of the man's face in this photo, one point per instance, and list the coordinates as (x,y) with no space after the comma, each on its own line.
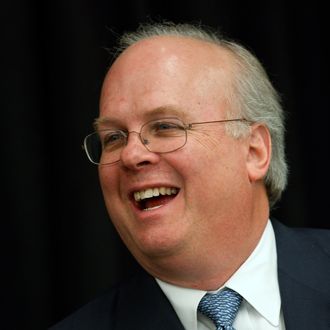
(208,181)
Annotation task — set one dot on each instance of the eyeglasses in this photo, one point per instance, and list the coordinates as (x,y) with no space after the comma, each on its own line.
(159,136)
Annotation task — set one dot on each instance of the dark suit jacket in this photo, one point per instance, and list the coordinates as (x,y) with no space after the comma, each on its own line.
(304,279)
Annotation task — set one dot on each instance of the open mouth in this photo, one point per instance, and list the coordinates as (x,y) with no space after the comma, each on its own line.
(153,198)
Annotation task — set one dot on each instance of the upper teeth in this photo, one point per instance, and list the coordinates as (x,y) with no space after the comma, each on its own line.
(152,192)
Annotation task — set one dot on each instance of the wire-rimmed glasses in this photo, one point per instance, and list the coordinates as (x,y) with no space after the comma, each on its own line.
(164,135)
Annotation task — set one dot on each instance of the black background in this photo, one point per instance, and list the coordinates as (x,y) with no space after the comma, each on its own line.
(59,248)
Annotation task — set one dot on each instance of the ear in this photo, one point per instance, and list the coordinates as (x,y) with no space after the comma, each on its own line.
(259,152)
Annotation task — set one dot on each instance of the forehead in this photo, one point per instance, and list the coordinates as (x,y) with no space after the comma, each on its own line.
(166,74)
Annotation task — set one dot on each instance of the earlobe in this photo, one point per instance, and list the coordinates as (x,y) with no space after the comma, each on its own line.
(259,152)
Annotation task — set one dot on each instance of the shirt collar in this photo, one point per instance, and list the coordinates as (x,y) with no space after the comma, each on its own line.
(256,281)
(184,301)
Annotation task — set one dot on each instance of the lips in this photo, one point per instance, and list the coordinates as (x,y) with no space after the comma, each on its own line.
(155,197)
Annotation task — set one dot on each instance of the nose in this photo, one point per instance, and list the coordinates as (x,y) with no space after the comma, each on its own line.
(135,155)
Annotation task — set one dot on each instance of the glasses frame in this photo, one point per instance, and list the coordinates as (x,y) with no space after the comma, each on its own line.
(186,127)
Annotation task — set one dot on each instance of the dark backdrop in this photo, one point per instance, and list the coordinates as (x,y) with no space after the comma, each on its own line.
(59,249)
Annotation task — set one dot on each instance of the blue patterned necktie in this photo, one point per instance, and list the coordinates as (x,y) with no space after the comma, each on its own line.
(221,308)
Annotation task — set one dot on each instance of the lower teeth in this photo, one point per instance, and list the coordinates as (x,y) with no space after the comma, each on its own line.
(152,208)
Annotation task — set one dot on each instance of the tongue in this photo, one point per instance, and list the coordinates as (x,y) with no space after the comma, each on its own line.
(156,201)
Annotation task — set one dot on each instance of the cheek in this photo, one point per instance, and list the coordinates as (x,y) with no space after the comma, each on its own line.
(103,177)
(204,156)
(213,172)
(109,182)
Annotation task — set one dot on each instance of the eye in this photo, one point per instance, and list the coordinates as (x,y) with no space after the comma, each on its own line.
(165,128)
(112,139)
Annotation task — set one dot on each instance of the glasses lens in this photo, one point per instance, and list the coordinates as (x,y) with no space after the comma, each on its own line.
(93,148)
(164,135)
(104,147)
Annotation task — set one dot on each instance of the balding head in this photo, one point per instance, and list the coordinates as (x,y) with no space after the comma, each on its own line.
(180,66)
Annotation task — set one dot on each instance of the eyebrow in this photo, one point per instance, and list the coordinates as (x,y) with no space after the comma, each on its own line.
(167,110)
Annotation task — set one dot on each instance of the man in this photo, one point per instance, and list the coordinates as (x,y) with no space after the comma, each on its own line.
(189,144)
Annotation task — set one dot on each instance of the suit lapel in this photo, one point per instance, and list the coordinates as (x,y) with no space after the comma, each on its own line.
(303,274)
(143,305)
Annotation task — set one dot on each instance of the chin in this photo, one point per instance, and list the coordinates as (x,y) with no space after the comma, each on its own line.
(153,246)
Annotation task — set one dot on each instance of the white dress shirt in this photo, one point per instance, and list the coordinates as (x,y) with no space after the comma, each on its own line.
(256,281)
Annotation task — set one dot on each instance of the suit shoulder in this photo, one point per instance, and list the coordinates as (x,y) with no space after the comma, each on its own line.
(99,313)
(315,239)
(304,237)
(148,308)
(84,318)
(304,255)
(321,237)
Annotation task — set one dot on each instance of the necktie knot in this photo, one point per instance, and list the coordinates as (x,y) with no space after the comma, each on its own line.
(221,308)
